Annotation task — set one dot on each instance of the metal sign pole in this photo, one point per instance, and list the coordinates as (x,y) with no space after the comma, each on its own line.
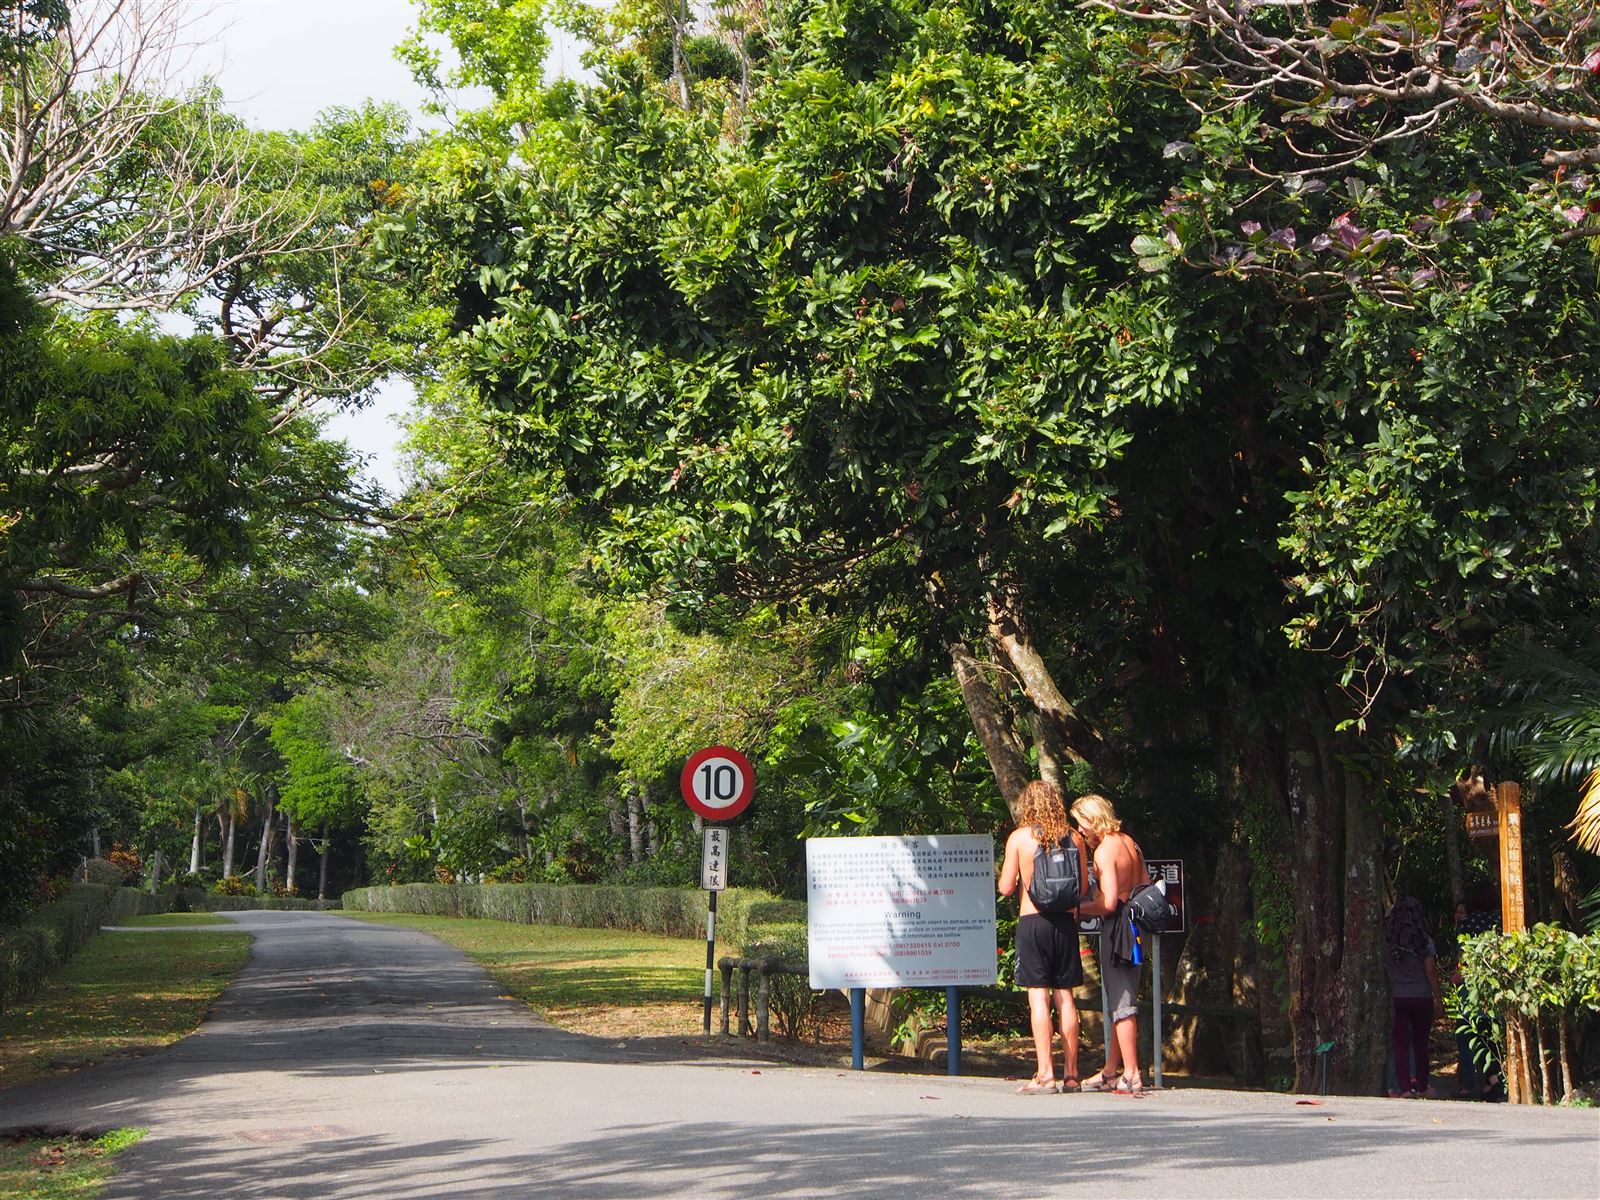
(858,1022)
(952,1030)
(1155,1003)
(711,942)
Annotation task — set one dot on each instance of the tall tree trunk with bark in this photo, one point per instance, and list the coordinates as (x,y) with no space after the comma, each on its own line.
(322,866)
(1335,986)
(1007,760)
(196,848)
(1069,736)
(229,825)
(265,852)
(291,854)
(635,826)
(155,871)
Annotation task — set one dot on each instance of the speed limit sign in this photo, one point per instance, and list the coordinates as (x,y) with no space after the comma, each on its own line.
(718,782)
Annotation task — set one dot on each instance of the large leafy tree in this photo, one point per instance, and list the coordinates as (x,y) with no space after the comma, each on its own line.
(927,339)
(168,496)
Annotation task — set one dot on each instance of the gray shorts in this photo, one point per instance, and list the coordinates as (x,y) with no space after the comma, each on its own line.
(1122,983)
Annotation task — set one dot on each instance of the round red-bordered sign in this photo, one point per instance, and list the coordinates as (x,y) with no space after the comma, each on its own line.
(718,783)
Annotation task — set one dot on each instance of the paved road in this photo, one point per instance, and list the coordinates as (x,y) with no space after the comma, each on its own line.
(360,1061)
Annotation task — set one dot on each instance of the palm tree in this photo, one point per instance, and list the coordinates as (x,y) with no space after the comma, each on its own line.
(1550,721)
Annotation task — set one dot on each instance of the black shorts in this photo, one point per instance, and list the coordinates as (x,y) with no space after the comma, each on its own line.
(1047,951)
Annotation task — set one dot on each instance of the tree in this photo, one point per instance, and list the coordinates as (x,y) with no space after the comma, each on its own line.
(911,349)
(1345,79)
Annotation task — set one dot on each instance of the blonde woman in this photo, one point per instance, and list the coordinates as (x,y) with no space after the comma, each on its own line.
(1048,961)
(1119,864)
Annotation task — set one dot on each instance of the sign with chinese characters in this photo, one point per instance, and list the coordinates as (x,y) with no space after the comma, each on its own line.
(1513,910)
(714,858)
(1170,870)
(901,912)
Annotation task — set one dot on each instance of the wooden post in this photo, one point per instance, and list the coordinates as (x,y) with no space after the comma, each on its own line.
(1513,919)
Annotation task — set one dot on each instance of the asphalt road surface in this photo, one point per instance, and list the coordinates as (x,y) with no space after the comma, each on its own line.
(350,1061)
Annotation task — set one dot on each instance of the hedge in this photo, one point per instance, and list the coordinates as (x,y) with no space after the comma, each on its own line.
(55,932)
(198,900)
(673,912)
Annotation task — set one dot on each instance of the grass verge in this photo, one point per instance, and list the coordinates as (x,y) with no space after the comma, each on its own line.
(588,980)
(173,920)
(60,1168)
(124,993)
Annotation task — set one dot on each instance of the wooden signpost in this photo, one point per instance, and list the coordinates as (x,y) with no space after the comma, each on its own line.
(1513,919)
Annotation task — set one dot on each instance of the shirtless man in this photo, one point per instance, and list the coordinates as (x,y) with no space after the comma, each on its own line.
(1119,864)
(1048,961)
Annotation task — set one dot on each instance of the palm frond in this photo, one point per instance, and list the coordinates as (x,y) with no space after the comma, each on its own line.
(1585,826)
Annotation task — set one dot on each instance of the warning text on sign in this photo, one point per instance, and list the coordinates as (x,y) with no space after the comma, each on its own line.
(901,912)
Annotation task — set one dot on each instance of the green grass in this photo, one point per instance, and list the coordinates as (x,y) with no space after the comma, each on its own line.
(554,968)
(60,1168)
(171,920)
(124,993)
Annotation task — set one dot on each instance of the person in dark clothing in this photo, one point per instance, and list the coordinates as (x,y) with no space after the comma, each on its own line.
(1048,961)
(1412,964)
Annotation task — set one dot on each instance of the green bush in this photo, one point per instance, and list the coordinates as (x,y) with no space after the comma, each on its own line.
(100,872)
(790,998)
(1546,977)
(56,931)
(674,912)
(199,900)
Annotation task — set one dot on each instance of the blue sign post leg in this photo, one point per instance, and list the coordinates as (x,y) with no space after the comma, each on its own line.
(858,1021)
(952,1029)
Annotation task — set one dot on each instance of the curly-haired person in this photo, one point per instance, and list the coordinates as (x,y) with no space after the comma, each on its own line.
(1048,960)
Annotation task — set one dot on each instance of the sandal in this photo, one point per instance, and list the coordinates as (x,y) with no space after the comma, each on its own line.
(1100,1083)
(1037,1087)
(1071,1084)
(1129,1087)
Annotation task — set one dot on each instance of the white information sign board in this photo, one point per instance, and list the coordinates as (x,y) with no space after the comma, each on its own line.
(714,858)
(901,912)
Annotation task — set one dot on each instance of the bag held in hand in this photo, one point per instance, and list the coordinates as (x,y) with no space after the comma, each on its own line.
(1056,881)
(1149,908)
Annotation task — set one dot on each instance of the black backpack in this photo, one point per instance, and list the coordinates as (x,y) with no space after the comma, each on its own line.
(1056,885)
(1150,909)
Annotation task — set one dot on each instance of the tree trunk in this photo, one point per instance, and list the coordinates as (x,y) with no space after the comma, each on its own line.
(1047,745)
(1546,1085)
(155,871)
(617,815)
(1565,1043)
(292,855)
(322,868)
(1335,971)
(230,824)
(195,845)
(999,741)
(1075,739)
(522,828)
(94,840)
(635,826)
(1452,849)
(265,851)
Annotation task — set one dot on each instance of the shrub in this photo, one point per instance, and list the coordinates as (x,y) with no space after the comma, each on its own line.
(789,997)
(101,872)
(56,931)
(234,885)
(675,912)
(126,859)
